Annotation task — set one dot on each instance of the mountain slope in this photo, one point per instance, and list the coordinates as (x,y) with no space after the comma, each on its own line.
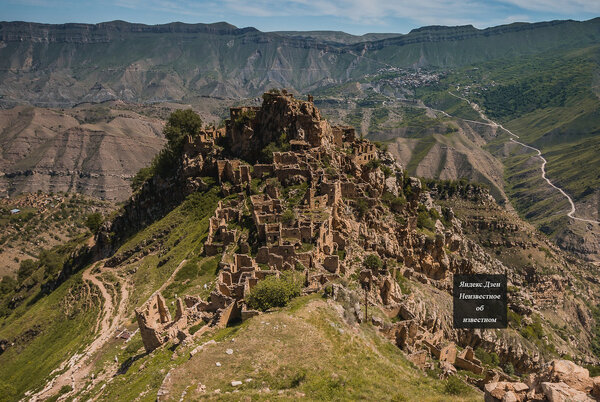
(51,65)
(91,149)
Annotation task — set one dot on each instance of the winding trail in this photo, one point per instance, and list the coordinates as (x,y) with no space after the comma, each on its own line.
(570,214)
(76,370)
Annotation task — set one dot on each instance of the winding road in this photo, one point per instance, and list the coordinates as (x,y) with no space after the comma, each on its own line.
(570,214)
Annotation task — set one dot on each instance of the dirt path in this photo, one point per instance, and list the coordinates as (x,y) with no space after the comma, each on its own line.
(76,370)
(571,213)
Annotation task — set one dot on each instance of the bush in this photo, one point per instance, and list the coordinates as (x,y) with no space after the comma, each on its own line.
(372,262)
(52,262)
(424,221)
(7,284)
(288,217)
(362,207)
(387,172)
(26,268)
(455,386)
(514,318)
(143,175)
(509,369)
(274,292)
(94,221)
(373,164)
(490,359)
(533,331)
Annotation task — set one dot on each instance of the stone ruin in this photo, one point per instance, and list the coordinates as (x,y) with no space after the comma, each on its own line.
(310,242)
(323,236)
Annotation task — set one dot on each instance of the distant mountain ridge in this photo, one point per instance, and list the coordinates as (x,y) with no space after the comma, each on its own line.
(105,31)
(63,65)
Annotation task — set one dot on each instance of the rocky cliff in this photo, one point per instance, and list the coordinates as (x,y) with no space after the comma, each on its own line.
(135,62)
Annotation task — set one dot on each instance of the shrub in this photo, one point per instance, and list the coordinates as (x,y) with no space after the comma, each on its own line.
(373,164)
(509,369)
(362,207)
(424,221)
(533,331)
(514,318)
(288,217)
(372,262)
(455,386)
(26,268)
(282,144)
(274,292)
(7,284)
(51,261)
(141,177)
(94,221)
(490,359)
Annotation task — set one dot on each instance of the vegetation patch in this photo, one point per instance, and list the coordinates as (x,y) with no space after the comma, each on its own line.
(275,292)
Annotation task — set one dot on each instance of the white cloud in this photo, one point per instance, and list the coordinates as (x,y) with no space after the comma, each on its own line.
(480,13)
(558,6)
(441,12)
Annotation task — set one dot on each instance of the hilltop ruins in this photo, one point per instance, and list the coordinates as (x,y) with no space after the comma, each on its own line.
(318,203)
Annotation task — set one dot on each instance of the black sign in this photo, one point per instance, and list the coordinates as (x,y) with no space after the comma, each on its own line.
(480,301)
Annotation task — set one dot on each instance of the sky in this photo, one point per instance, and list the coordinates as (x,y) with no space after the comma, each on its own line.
(353,16)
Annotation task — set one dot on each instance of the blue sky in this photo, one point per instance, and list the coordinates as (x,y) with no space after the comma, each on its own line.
(352,16)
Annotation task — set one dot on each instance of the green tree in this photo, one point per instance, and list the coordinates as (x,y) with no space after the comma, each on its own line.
(181,123)
(26,268)
(509,368)
(51,261)
(288,217)
(372,262)
(7,284)
(362,207)
(94,221)
(275,292)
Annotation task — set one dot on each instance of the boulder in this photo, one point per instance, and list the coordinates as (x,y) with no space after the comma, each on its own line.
(596,387)
(505,391)
(561,392)
(447,369)
(570,373)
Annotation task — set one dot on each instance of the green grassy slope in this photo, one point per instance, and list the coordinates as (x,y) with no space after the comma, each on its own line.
(305,351)
(63,322)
